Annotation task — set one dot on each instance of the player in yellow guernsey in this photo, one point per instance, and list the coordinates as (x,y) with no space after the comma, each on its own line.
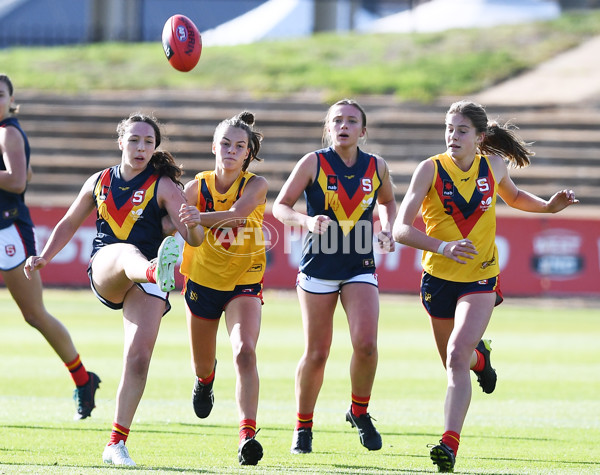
(456,193)
(225,273)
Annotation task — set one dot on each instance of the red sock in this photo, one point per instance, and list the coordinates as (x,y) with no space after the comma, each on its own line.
(480,363)
(247,429)
(304,421)
(119,433)
(360,404)
(78,372)
(151,273)
(209,379)
(451,439)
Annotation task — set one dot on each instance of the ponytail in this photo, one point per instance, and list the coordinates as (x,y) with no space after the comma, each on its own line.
(499,139)
(164,164)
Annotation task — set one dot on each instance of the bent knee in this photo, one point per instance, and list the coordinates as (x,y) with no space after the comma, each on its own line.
(458,359)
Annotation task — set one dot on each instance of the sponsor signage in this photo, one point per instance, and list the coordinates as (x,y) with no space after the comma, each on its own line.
(539,255)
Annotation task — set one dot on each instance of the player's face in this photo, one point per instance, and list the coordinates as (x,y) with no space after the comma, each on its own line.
(5,100)
(138,144)
(231,148)
(345,125)
(462,138)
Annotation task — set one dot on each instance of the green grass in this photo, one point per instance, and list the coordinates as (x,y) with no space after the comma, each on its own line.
(417,67)
(542,418)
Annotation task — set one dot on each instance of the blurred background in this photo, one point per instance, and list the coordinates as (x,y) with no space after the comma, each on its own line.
(60,22)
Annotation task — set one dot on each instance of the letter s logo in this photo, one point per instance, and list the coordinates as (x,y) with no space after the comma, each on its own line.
(138,197)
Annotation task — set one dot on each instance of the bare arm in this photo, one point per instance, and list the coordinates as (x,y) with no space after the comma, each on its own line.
(517,198)
(301,177)
(185,218)
(12,147)
(386,207)
(65,229)
(255,194)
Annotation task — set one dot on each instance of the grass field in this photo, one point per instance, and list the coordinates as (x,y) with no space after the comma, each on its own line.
(544,416)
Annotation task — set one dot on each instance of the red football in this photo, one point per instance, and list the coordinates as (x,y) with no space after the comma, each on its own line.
(182,43)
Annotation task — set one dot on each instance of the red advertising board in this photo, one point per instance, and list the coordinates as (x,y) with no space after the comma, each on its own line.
(539,255)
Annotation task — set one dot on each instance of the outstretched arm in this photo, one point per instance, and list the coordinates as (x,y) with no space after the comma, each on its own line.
(66,227)
(525,201)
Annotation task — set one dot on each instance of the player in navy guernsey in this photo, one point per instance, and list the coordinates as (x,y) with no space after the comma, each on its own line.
(132,267)
(17,242)
(342,184)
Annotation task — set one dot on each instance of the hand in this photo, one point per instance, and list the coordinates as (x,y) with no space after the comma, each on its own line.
(386,241)
(33,263)
(318,224)
(189,215)
(459,250)
(561,200)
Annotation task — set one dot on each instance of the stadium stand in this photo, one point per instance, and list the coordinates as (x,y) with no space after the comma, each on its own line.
(74,136)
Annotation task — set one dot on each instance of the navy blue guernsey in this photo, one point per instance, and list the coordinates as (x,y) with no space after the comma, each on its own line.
(347,195)
(128,211)
(12,205)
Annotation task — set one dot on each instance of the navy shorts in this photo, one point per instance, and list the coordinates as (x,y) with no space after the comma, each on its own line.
(439,296)
(209,304)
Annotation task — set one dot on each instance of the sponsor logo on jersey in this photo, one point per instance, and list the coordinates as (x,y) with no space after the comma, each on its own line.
(448,188)
(332,182)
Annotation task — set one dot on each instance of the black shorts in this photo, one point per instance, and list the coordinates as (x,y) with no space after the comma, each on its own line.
(439,296)
(209,304)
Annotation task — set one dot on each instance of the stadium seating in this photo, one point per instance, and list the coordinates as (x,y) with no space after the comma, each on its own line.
(74,136)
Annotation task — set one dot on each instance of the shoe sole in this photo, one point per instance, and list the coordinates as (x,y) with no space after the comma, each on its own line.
(168,254)
(442,460)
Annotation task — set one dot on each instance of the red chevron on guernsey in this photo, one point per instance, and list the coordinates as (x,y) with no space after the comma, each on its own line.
(351,204)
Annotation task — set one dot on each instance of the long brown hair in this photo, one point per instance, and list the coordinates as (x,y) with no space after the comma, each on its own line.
(162,161)
(499,139)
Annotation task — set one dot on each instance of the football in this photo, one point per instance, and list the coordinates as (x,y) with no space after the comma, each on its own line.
(182,43)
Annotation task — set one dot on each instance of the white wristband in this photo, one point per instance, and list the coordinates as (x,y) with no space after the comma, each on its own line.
(441,247)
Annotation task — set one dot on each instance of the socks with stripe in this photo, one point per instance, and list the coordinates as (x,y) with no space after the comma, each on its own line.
(451,439)
(78,372)
(119,433)
(304,421)
(360,404)
(247,429)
